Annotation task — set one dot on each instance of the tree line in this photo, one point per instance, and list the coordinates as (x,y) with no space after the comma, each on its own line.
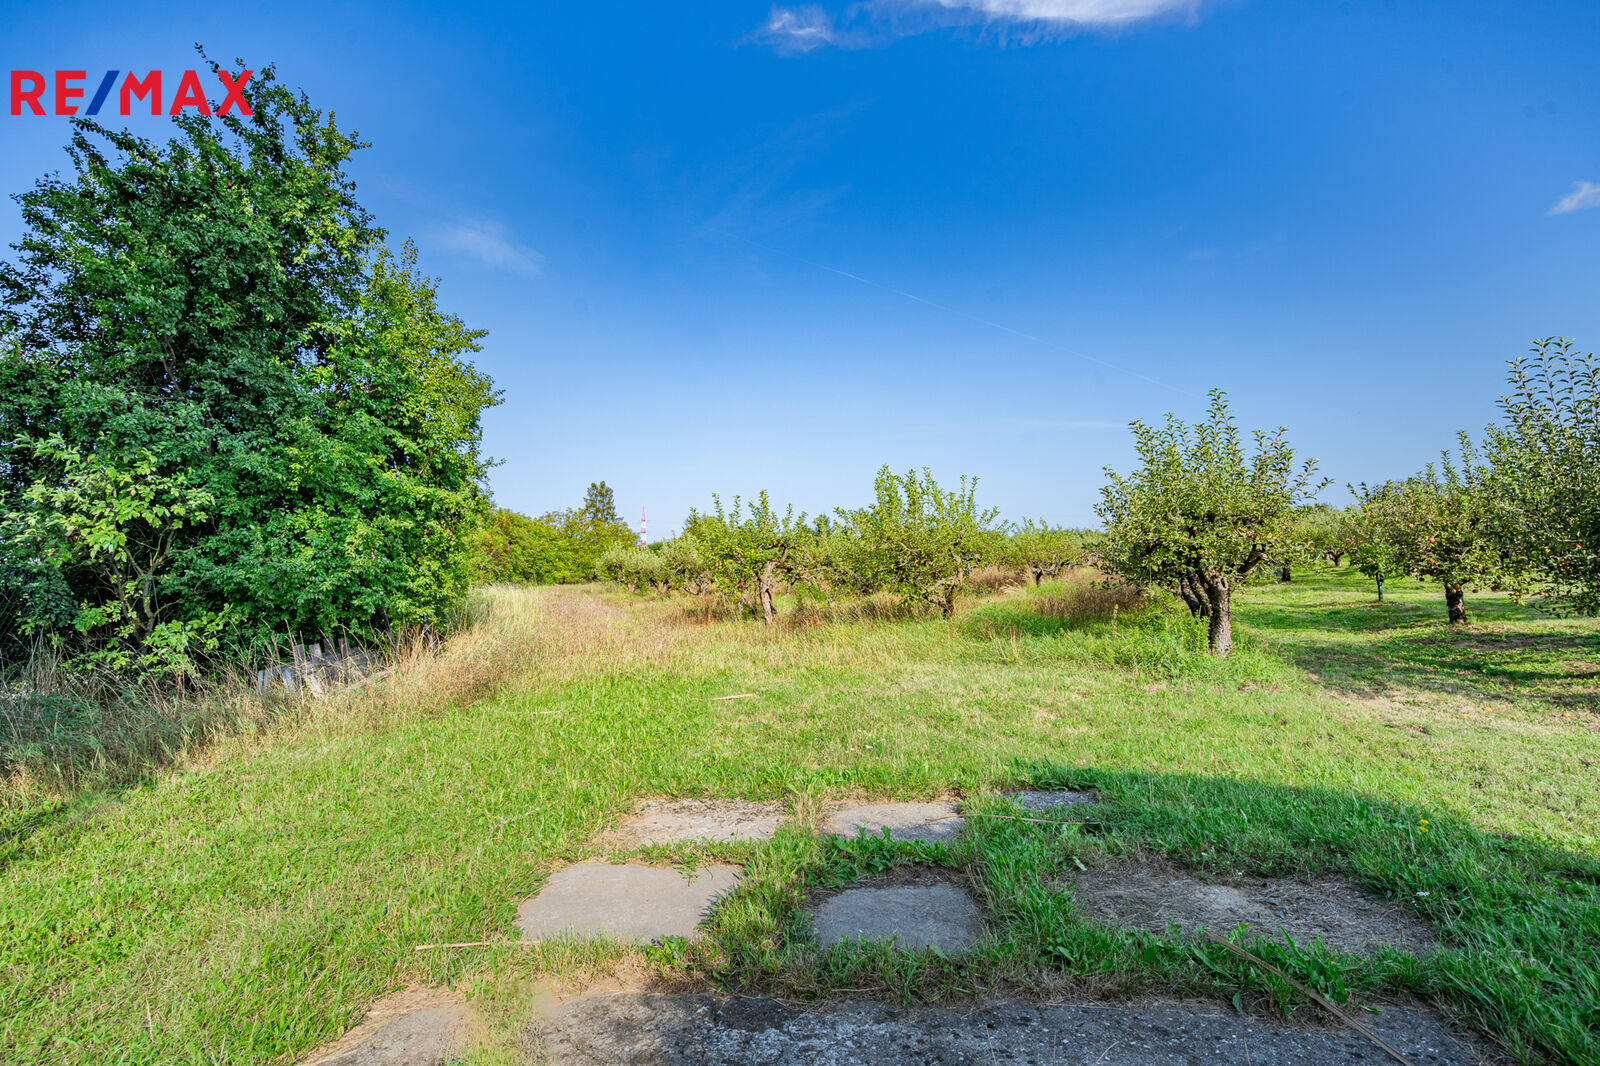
(1518,512)
(917,540)
(557,548)
(1208,510)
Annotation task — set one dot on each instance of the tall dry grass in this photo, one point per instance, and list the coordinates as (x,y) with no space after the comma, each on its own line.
(63,733)
(64,730)
(1083,598)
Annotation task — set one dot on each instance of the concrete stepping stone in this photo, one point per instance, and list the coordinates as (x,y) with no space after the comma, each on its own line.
(413,1027)
(714,821)
(634,904)
(914,916)
(1033,799)
(932,822)
(666,1029)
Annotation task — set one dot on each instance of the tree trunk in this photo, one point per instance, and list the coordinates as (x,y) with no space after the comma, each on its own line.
(1380,590)
(768,611)
(1455,602)
(1220,636)
(1194,597)
(1038,577)
(1285,574)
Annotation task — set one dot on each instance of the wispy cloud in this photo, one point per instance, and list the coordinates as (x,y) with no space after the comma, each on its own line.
(756,191)
(1584,194)
(489,243)
(797,29)
(1086,13)
(806,28)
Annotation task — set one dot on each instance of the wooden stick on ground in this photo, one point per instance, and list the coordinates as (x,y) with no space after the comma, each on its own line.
(477,944)
(1326,1003)
(736,696)
(1024,818)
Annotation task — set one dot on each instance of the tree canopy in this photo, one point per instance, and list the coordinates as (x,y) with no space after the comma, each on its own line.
(227,412)
(1546,472)
(1200,515)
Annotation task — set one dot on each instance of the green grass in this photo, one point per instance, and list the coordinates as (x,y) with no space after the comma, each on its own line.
(250,906)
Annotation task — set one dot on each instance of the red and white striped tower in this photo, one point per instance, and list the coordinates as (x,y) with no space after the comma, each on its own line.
(643,543)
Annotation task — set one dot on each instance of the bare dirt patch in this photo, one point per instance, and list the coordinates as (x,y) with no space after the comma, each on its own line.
(1155,896)
(653,1029)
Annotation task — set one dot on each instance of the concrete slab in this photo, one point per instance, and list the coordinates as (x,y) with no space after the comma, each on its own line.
(939,915)
(635,904)
(660,1029)
(1032,799)
(716,821)
(905,821)
(413,1027)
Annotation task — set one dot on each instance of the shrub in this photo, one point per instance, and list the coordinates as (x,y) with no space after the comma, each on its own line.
(225,407)
(1440,525)
(916,540)
(746,553)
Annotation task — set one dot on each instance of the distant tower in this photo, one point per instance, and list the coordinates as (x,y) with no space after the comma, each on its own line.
(643,543)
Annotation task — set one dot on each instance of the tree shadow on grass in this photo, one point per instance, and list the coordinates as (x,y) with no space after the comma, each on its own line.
(1517,916)
(1480,662)
(19,827)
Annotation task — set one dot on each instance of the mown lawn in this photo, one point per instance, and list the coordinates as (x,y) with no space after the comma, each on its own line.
(248,907)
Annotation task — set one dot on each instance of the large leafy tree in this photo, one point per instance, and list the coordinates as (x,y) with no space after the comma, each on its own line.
(1546,471)
(600,505)
(215,317)
(1200,515)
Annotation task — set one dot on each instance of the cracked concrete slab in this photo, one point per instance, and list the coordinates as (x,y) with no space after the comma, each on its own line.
(933,822)
(632,903)
(714,821)
(660,1029)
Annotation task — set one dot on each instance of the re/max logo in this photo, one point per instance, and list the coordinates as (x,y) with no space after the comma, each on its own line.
(28,89)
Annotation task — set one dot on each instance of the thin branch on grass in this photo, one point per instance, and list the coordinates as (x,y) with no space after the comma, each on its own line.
(1324,1002)
(1025,818)
(738,696)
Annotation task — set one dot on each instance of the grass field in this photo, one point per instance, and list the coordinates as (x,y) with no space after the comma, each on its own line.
(250,903)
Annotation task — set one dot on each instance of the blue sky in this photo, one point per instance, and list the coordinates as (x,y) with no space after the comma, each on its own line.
(726,247)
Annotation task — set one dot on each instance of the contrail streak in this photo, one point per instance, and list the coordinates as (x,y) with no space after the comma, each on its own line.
(955,311)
